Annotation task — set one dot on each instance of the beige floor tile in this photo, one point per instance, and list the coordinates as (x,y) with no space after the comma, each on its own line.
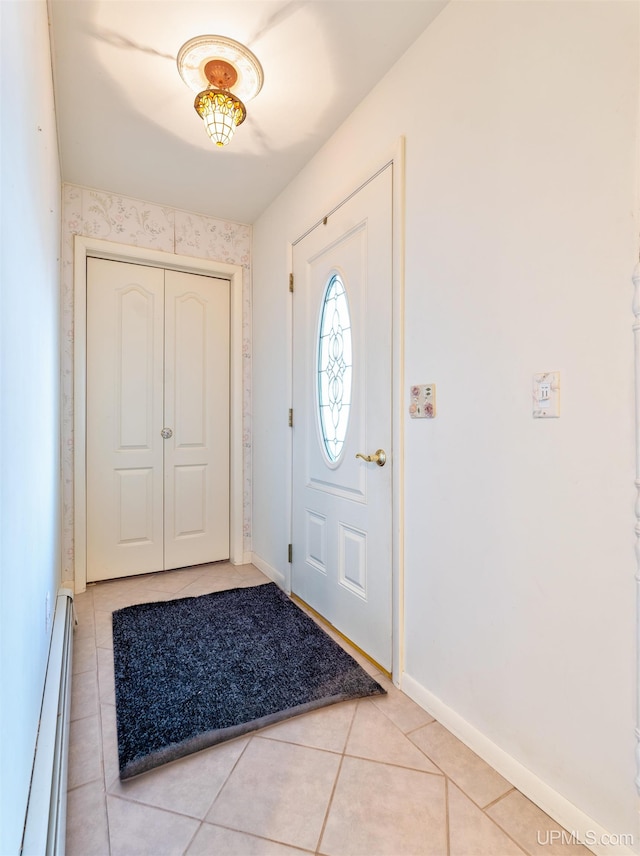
(171,581)
(214,567)
(375,737)
(85,623)
(249,582)
(84,655)
(87,829)
(144,595)
(472,833)
(254,578)
(84,695)
(278,791)
(187,786)
(112,603)
(534,830)
(106,589)
(399,708)
(104,629)
(365,662)
(326,728)
(83,605)
(116,595)
(109,745)
(371,669)
(106,680)
(378,810)
(250,571)
(475,777)
(214,839)
(210,584)
(139,830)
(85,755)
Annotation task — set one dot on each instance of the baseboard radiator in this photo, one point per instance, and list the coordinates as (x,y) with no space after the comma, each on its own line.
(45,823)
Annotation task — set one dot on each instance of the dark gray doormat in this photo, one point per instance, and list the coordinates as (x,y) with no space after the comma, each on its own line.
(197,671)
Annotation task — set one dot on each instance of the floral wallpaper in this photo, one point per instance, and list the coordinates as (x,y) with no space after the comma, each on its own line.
(96,214)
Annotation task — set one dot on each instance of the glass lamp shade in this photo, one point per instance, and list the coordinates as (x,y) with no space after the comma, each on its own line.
(221,112)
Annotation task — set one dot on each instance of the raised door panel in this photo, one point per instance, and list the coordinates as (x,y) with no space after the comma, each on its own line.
(124,413)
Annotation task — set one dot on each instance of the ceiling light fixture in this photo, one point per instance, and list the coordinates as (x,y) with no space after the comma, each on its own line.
(229,73)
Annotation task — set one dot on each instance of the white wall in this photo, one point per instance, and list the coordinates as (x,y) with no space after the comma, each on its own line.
(521,222)
(29,394)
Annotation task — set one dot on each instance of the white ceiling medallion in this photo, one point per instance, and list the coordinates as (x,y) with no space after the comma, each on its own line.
(224,74)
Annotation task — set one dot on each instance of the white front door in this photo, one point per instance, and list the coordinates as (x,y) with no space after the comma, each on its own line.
(157,419)
(342,395)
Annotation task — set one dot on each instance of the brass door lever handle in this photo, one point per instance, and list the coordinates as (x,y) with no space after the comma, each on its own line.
(379,458)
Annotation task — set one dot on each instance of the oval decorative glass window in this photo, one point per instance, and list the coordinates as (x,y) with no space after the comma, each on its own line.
(335,367)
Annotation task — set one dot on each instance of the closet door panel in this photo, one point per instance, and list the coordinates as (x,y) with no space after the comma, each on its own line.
(196,455)
(125,320)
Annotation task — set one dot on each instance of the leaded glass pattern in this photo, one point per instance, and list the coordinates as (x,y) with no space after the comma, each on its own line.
(335,367)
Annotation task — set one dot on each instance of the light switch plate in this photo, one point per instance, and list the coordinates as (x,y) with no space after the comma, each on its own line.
(546,395)
(423,401)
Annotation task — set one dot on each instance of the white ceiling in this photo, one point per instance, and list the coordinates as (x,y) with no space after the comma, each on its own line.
(126,119)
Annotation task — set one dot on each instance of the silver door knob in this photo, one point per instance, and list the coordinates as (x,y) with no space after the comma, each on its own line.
(166,433)
(379,458)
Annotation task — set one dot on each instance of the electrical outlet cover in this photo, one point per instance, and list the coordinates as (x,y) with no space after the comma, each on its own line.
(423,401)
(546,395)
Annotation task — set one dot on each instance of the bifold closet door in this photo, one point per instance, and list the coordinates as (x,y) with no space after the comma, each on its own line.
(157,419)
(196,406)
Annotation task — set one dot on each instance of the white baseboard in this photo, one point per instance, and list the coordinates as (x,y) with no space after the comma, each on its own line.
(277,576)
(554,804)
(245,558)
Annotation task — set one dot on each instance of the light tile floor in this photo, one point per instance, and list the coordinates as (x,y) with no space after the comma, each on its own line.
(374,777)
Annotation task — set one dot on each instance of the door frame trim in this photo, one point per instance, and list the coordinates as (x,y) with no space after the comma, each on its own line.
(85,247)
(394,158)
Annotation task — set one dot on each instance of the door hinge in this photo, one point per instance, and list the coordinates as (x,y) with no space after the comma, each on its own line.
(290,282)
(291,417)
(290,553)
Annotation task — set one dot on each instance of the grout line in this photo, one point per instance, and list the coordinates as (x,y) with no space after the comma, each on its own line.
(498,799)
(129,801)
(446,815)
(518,844)
(229,774)
(134,800)
(257,836)
(329,805)
(483,810)
(509,836)
(260,735)
(265,736)
(82,718)
(193,837)
(350,728)
(437,766)
(439,774)
(335,783)
(424,725)
(77,787)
